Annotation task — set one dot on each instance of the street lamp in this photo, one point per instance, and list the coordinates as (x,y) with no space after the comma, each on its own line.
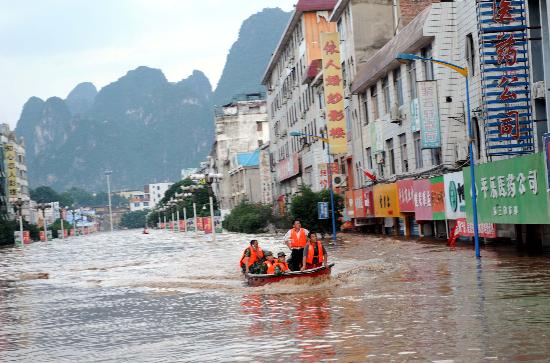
(108,174)
(329,168)
(463,72)
(43,207)
(18,206)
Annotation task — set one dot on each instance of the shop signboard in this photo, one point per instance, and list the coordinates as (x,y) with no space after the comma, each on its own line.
(437,188)
(190,224)
(218,224)
(406,195)
(510,191)
(182,225)
(350,204)
(422,200)
(486,230)
(207,224)
(455,203)
(415,115)
(323,173)
(368,201)
(504,58)
(289,167)
(26,237)
(386,201)
(333,83)
(359,204)
(430,132)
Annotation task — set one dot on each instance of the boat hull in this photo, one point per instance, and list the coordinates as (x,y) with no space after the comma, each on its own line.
(263,279)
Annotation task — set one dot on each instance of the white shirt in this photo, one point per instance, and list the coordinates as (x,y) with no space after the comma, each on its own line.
(286,238)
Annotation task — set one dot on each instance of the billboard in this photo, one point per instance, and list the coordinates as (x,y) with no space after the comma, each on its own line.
(437,189)
(423,200)
(430,132)
(386,201)
(406,195)
(455,203)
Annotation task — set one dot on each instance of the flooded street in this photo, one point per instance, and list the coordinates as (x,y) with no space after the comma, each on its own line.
(170,297)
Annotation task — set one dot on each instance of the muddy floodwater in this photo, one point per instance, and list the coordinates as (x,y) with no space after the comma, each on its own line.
(168,297)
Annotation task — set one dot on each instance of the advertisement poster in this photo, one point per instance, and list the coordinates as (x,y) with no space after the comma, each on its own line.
(509,191)
(455,203)
(200,226)
(486,230)
(207,224)
(437,189)
(322,210)
(182,225)
(359,204)
(218,224)
(190,225)
(406,195)
(368,200)
(386,200)
(333,84)
(423,200)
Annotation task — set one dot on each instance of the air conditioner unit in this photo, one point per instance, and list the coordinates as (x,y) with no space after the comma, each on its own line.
(395,115)
(379,158)
(338,180)
(539,90)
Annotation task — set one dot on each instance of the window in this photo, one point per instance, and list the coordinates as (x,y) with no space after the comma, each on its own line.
(428,66)
(436,156)
(470,54)
(398,86)
(374,102)
(477,136)
(391,155)
(404,155)
(411,73)
(366,105)
(369,158)
(387,99)
(418,150)
(259,126)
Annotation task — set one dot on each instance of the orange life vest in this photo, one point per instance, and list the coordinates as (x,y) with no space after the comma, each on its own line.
(311,251)
(270,267)
(283,266)
(298,240)
(254,256)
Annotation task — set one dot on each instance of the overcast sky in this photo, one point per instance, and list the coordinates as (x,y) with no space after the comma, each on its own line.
(49,46)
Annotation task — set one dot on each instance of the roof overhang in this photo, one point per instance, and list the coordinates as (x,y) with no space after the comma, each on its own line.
(338,10)
(409,39)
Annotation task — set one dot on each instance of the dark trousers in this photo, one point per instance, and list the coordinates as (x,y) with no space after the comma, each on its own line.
(296,256)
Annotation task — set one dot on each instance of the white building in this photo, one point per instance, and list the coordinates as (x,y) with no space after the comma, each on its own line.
(241,127)
(155,192)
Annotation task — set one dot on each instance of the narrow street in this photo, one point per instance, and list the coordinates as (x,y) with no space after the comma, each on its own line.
(171,297)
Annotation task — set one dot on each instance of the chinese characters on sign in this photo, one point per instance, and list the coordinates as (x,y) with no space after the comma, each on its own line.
(437,190)
(510,191)
(486,230)
(322,210)
(323,174)
(430,134)
(386,200)
(10,156)
(334,90)
(350,205)
(406,195)
(504,62)
(455,203)
(422,200)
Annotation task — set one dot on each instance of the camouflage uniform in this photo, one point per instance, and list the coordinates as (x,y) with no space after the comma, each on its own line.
(256,267)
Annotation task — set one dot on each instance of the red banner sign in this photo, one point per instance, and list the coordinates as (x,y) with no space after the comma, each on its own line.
(358,204)
(422,200)
(350,208)
(405,190)
(207,224)
(199,224)
(486,230)
(368,201)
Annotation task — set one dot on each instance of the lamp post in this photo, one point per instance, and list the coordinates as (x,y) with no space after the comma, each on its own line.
(73,212)
(18,206)
(108,174)
(61,213)
(463,72)
(329,172)
(43,207)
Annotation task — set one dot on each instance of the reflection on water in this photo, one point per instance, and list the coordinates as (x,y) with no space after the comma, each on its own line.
(170,297)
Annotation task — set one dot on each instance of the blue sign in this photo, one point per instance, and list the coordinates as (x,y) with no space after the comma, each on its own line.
(504,60)
(322,210)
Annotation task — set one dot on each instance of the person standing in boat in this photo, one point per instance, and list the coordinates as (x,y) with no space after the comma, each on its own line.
(315,254)
(252,259)
(296,240)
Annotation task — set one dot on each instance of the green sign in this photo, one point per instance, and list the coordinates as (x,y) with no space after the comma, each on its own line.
(511,191)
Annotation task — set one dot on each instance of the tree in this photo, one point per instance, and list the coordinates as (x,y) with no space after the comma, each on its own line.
(133,219)
(56,226)
(304,208)
(248,218)
(44,194)
(8,227)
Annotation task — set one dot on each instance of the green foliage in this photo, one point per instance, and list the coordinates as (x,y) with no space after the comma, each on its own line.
(8,227)
(75,196)
(248,218)
(56,226)
(44,194)
(304,208)
(133,219)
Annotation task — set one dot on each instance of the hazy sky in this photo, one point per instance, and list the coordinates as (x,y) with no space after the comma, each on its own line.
(49,46)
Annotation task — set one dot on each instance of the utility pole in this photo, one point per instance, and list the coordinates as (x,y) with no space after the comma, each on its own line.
(108,174)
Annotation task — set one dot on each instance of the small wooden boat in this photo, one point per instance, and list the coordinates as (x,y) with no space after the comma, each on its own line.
(262,279)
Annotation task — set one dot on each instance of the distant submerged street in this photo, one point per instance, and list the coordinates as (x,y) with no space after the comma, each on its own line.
(168,297)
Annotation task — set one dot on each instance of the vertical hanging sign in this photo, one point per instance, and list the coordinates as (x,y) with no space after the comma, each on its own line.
(10,155)
(334,93)
(429,114)
(503,39)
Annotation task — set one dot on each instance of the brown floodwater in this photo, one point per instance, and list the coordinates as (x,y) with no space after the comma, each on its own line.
(167,297)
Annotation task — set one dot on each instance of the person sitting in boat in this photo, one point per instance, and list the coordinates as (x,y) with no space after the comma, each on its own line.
(315,254)
(280,264)
(296,240)
(252,259)
(268,267)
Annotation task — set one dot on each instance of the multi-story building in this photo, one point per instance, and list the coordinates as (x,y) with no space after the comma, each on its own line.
(15,168)
(241,127)
(295,102)
(155,192)
(138,200)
